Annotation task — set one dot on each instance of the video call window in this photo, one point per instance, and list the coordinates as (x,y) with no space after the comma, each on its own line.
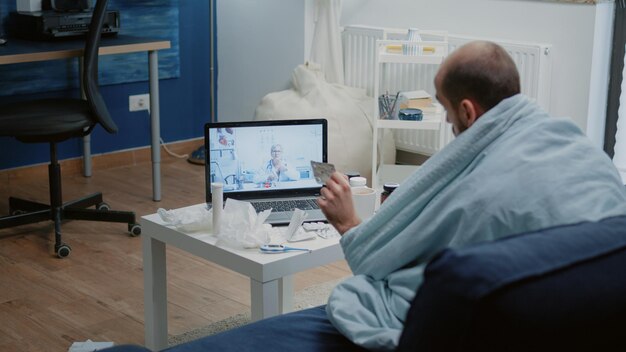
(255,158)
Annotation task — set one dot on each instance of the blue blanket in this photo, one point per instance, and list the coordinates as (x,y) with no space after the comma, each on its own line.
(515,170)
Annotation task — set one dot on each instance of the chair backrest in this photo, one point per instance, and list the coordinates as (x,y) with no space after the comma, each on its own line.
(561,288)
(90,68)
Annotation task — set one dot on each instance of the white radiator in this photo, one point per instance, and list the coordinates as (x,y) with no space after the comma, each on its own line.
(533,61)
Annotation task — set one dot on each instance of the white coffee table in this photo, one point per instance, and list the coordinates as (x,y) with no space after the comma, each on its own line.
(271,282)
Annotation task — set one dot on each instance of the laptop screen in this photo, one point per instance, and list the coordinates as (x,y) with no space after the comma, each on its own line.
(264,159)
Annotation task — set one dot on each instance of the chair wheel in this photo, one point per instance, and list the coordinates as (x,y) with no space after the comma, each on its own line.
(134,229)
(63,250)
(103,206)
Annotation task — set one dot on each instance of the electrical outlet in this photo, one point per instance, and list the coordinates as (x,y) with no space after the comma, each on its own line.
(139,102)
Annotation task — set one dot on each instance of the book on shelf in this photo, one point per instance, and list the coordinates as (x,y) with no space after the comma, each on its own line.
(419,99)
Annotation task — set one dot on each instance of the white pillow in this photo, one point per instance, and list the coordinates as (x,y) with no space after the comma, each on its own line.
(348,111)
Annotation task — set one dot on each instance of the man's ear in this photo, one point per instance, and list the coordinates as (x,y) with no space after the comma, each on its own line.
(470,111)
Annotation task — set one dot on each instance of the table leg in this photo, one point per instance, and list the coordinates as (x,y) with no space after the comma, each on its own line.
(285,291)
(265,299)
(155,293)
(155,122)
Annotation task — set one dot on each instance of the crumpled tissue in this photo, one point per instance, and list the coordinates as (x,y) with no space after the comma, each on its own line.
(191,219)
(242,227)
(89,346)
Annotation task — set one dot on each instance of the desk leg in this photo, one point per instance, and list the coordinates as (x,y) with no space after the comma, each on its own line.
(87,155)
(87,138)
(155,293)
(285,291)
(264,299)
(155,121)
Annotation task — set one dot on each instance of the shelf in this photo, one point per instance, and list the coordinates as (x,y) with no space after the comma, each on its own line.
(391,52)
(429,124)
(408,59)
(432,121)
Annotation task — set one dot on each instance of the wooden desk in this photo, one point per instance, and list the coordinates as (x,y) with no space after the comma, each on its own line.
(20,51)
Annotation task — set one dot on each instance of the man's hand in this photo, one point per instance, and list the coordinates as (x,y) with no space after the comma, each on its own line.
(336,203)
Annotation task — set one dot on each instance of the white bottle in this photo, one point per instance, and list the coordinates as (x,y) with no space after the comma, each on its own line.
(358,182)
(363,198)
(217,192)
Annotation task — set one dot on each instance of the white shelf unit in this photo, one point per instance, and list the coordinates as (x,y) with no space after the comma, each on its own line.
(430,52)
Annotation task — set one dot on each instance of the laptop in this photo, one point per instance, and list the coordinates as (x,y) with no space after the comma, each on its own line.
(267,163)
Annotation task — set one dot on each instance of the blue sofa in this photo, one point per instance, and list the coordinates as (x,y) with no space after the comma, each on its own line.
(562,288)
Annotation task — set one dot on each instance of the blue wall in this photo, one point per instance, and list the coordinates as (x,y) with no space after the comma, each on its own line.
(184,101)
(150,18)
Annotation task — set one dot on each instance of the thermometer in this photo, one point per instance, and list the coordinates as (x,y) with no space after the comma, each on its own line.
(279,248)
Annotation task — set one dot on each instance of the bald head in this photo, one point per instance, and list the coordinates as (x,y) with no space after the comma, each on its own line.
(480,71)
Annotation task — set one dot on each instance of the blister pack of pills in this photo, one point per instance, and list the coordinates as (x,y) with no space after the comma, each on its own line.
(321,229)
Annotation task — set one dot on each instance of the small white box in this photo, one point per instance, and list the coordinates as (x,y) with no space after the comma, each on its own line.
(28,5)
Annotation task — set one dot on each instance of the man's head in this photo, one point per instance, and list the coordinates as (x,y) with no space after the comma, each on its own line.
(474,79)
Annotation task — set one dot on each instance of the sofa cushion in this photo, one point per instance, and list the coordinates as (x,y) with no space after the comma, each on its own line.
(554,289)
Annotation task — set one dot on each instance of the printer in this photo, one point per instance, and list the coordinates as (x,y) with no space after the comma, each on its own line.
(60,19)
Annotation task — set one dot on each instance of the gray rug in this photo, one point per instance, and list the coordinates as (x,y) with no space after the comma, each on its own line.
(309,297)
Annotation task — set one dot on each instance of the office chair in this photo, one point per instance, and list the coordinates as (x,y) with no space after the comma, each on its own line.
(56,120)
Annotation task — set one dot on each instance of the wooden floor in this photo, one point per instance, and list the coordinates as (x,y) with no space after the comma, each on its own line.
(96,293)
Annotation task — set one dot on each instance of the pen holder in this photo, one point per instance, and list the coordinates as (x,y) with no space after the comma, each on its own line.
(387,107)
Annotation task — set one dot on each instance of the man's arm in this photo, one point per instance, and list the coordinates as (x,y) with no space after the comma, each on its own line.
(336,203)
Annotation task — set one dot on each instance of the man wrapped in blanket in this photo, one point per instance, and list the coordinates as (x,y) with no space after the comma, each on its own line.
(511,169)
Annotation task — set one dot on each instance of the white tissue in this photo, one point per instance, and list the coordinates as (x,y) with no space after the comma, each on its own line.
(188,219)
(242,227)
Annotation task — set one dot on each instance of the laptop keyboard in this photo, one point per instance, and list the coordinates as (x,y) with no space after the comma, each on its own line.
(285,205)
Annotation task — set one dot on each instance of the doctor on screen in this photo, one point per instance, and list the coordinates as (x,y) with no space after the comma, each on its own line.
(277,169)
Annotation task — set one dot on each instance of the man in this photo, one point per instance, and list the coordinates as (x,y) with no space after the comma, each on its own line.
(511,169)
